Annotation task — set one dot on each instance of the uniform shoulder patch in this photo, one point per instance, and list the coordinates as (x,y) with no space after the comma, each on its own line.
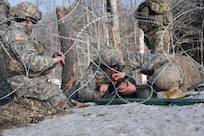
(20,37)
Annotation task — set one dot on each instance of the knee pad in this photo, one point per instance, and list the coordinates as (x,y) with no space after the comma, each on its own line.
(168,77)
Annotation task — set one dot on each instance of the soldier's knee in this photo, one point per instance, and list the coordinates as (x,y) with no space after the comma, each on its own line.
(169,78)
(86,95)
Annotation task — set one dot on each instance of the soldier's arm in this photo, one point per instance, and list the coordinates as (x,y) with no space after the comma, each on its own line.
(134,62)
(26,53)
(137,60)
(142,62)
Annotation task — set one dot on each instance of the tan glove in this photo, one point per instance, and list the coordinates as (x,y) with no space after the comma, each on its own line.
(172,93)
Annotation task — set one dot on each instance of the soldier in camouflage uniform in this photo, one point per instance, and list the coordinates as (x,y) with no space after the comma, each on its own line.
(154,18)
(25,61)
(4,15)
(99,81)
(166,72)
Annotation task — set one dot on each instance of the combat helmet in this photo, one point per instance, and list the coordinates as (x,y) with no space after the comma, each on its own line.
(109,56)
(4,7)
(27,11)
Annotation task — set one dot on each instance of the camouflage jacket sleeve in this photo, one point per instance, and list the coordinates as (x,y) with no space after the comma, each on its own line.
(127,68)
(20,45)
(136,60)
(148,61)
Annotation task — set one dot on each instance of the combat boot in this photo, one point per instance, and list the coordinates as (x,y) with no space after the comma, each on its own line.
(33,104)
(63,105)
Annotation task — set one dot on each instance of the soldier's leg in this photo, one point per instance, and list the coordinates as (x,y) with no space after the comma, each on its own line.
(5,92)
(37,88)
(161,41)
(86,94)
(201,68)
(86,90)
(167,77)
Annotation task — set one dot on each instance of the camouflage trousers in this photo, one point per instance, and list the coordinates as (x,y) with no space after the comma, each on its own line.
(160,40)
(167,77)
(180,72)
(87,90)
(87,86)
(37,88)
(202,73)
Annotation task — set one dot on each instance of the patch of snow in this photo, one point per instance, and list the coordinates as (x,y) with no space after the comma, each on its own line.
(121,120)
(56,82)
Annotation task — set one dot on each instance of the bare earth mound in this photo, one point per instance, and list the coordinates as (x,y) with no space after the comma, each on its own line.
(16,115)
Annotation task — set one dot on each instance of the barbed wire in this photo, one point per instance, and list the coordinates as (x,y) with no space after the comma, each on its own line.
(77,41)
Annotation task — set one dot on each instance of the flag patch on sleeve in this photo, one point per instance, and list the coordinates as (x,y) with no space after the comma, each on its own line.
(19,37)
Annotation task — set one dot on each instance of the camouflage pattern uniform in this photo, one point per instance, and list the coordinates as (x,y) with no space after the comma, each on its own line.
(4,14)
(26,63)
(167,71)
(154,16)
(96,74)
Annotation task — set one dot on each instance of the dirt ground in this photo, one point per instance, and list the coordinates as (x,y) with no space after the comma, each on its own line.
(16,115)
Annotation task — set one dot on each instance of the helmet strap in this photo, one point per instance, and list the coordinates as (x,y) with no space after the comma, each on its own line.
(27,22)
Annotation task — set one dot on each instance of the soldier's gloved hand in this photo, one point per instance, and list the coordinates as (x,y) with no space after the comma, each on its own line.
(59,58)
(127,87)
(103,89)
(148,72)
(117,76)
